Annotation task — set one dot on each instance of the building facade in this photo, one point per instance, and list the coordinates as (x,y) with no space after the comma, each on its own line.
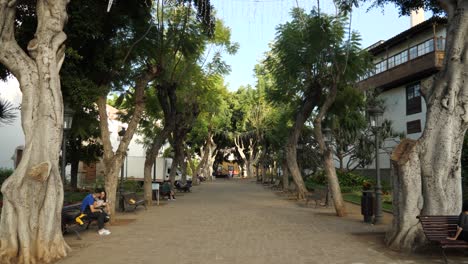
(404,65)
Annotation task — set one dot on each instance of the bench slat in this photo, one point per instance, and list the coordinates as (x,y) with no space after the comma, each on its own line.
(438,227)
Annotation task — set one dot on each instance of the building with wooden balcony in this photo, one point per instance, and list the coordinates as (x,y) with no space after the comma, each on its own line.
(403,64)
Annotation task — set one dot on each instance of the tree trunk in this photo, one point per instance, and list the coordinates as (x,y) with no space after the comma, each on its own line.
(148,180)
(33,195)
(178,159)
(194,171)
(75,163)
(113,161)
(211,158)
(264,174)
(150,159)
(427,171)
(285,174)
(184,171)
(333,184)
(327,154)
(291,146)
(204,151)
(257,173)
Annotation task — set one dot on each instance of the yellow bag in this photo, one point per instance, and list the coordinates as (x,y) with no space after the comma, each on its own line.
(79,220)
(131,201)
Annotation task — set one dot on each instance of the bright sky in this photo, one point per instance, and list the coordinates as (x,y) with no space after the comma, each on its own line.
(253,24)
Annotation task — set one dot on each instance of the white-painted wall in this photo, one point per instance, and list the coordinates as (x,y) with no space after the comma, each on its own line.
(11,136)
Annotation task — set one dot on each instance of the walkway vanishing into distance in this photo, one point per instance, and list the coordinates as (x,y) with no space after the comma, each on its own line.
(240,222)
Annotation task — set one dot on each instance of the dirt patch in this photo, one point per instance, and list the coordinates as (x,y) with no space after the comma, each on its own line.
(122,221)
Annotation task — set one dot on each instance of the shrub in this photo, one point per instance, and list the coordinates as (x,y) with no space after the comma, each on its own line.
(73,197)
(131,185)
(4,173)
(349,181)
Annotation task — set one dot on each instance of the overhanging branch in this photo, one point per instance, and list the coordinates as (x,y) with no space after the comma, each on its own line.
(11,54)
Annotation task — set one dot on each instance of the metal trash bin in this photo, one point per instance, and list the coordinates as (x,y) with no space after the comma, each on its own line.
(367,205)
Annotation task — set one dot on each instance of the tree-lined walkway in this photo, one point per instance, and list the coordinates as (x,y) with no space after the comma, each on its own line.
(238,222)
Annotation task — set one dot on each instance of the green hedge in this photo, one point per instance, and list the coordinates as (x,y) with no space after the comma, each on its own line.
(349,181)
(5,173)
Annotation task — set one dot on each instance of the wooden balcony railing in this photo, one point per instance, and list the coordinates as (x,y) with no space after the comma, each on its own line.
(407,72)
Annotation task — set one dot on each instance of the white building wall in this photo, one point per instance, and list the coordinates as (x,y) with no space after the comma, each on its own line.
(395,98)
(11,136)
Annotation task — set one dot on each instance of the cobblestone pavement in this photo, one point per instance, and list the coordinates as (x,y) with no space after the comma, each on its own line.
(240,222)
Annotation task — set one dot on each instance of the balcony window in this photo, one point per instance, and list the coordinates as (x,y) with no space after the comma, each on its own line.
(381,67)
(413,52)
(428,46)
(401,58)
(413,99)
(391,62)
(423,48)
(440,43)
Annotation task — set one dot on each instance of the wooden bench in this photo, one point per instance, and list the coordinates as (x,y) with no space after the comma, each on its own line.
(276,185)
(69,223)
(131,199)
(182,187)
(318,194)
(438,227)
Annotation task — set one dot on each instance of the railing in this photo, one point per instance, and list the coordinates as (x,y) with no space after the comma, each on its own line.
(412,53)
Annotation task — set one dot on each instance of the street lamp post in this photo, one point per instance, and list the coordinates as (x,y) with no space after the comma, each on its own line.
(67,123)
(375,119)
(121,135)
(327,137)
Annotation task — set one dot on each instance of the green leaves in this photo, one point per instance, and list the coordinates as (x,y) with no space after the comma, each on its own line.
(7,112)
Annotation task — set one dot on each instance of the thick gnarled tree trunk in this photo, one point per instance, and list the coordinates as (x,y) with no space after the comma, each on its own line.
(428,174)
(33,196)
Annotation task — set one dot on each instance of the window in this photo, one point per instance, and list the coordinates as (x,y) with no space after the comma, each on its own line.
(413,99)
(426,47)
(413,127)
(391,62)
(440,43)
(401,58)
(421,49)
(413,52)
(381,67)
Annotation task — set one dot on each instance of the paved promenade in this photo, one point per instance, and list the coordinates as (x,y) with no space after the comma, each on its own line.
(239,222)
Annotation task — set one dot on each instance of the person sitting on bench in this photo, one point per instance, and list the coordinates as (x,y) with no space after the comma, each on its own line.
(166,190)
(182,187)
(462,226)
(103,204)
(88,208)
